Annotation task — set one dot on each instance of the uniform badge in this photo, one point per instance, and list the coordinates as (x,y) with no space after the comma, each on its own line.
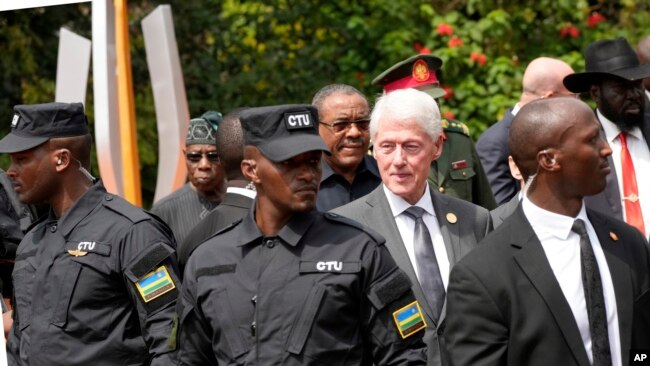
(155,284)
(420,71)
(409,319)
(460,164)
(77,252)
(297,120)
(14,121)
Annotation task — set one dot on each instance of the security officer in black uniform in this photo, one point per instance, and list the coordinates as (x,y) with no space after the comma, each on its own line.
(458,172)
(95,281)
(289,285)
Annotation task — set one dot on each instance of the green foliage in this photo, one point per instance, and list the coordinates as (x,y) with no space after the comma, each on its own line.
(258,52)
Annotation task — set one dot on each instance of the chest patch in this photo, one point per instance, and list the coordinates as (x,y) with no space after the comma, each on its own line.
(155,284)
(82,248)
(409,319)
(330,266)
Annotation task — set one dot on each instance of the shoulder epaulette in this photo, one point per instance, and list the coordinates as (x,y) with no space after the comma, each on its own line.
(347,221)
(453,125)
(123,208)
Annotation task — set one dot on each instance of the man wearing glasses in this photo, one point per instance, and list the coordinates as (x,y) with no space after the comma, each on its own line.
(183,209)
(349,173)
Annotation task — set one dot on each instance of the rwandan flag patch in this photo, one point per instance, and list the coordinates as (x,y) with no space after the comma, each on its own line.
(409,319)
(155,283)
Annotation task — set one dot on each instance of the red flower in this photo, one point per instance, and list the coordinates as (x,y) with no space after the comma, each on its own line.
(478,57)
(420,48)
(569,30)
(444,29)
(455,42)
(594,19)
(360,76)
(449,91)
(448,115)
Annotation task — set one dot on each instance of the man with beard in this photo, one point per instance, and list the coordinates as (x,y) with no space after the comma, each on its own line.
(287,284)
(183,209)
(614,80)
(349,173)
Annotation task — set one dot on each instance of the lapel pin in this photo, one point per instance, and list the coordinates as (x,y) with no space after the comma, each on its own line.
(613,236)
(451,218)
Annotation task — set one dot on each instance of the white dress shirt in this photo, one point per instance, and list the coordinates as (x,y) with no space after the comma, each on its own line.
(562,249)
(406,227)
(638,148)
(242,191)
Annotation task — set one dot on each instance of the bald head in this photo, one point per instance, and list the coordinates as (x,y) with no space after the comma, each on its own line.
(543,79)
(230,144)
(643,51)
(540,125)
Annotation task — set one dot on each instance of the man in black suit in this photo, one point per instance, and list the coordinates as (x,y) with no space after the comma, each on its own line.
(614,80)
(519,298)
(502,212)
(240,192)
(407,133)
(542,79)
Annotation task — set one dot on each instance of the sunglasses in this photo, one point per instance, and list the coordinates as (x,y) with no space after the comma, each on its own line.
(340,126)
(195,157)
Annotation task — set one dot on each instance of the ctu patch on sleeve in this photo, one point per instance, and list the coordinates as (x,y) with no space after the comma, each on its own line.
(155,284)
(409,319)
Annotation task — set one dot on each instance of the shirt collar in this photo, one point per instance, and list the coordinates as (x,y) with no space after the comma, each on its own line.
(398,205)
(363,166)
(81,208)
(515,109)
(612,130)
(291,233)
(551,222)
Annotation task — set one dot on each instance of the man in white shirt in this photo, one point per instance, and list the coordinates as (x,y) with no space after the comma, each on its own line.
(407,135)
(614,80)
(557,283)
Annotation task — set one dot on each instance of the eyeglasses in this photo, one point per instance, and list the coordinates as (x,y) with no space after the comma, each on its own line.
(340,126)
(195,157)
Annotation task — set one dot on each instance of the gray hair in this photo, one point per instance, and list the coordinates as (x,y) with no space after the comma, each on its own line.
(408,104)
(331,89)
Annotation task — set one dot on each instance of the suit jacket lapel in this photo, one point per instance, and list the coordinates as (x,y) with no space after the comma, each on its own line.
(450,232)
(620,273)
(381,212)
(533,262)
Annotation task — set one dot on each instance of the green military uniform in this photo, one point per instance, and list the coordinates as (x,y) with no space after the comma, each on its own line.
(458,172)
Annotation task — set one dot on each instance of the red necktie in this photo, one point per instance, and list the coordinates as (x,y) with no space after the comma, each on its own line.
(633,214)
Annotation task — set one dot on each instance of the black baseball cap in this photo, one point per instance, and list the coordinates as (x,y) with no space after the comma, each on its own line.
(34,124)
(283,131)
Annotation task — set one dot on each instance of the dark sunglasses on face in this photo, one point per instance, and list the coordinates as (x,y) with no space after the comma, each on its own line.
(195,157)
(340,126)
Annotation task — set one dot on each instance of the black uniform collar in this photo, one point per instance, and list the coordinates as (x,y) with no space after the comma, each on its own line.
(80,209)
(291,233)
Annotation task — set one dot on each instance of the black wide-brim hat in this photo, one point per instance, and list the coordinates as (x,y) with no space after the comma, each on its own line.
(606,58)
